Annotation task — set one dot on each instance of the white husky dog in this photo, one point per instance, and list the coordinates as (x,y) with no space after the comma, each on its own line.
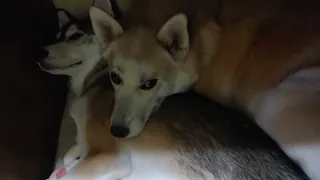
(75,54)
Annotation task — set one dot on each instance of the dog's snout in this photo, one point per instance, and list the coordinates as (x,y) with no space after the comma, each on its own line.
(119,131)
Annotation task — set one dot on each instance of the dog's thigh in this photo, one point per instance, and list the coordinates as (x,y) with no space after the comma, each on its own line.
(290,114)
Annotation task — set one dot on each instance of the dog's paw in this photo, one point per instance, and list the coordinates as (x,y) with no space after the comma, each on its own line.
(72,154)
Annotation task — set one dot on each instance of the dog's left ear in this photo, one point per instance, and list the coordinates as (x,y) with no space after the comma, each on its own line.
(63,18)
(105,27)
(104,5)
(175,37)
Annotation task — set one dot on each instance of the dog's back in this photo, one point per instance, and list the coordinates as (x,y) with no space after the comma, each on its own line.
(210,142)
(191,137)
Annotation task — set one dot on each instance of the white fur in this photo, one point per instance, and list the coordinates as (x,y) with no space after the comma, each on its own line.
(177,23)
(79,112)
(100,19)
(67,134)
(68,54)
(64,54)
(154,165)
(290,114)
(135,103)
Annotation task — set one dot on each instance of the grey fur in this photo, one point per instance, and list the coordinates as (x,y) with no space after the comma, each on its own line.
(216,141)
(212,142)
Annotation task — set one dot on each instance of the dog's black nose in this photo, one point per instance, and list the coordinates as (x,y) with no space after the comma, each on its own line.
(118,131)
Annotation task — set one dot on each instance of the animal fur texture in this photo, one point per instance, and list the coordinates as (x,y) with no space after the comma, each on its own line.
(256,55)
(189,137)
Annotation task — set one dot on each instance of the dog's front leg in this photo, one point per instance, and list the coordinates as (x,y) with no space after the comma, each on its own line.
(101,158)
(101,167)
(79,112)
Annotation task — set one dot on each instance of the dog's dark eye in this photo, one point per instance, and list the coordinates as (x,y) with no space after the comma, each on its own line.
(149,84)
(115,78)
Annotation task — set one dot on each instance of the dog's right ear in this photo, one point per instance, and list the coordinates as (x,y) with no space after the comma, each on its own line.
(104,26)
(174,36)
(63,18)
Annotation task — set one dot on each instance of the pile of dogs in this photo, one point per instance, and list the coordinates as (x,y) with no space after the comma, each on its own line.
(153,82)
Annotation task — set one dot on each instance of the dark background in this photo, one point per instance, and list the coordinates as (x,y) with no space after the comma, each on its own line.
(31,101)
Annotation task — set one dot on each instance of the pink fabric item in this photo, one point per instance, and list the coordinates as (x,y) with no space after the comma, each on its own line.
(61,172)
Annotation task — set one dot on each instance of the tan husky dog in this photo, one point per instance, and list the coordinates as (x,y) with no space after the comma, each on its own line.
(259,55)
(188,138)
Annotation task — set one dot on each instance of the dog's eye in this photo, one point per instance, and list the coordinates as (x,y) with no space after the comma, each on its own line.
(115,78)
(149,84)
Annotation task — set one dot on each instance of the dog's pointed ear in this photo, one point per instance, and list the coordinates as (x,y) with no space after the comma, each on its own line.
(175,37)
(104,5)
(63,18)
(104,26)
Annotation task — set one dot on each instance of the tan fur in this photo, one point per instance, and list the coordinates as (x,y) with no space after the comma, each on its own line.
(104,149)
(260,43)
(100,154)
(136,36)
(255,56)
(98,135)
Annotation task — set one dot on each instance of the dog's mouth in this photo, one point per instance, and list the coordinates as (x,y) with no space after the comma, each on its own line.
(148,118)
(48,66)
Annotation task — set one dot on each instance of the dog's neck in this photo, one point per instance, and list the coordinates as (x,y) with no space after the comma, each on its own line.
(203,50)
(91,59)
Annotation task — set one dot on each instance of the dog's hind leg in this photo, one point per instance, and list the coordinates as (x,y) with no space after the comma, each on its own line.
(290,114)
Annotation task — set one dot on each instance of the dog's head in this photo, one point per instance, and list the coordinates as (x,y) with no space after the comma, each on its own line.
(75,53)
(145,67)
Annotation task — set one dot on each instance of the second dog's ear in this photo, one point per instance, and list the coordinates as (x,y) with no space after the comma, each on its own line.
(104,5)
(104,26)
(63,18)
(175,37)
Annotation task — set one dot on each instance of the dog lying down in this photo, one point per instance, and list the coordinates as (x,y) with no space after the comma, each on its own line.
(189,137)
